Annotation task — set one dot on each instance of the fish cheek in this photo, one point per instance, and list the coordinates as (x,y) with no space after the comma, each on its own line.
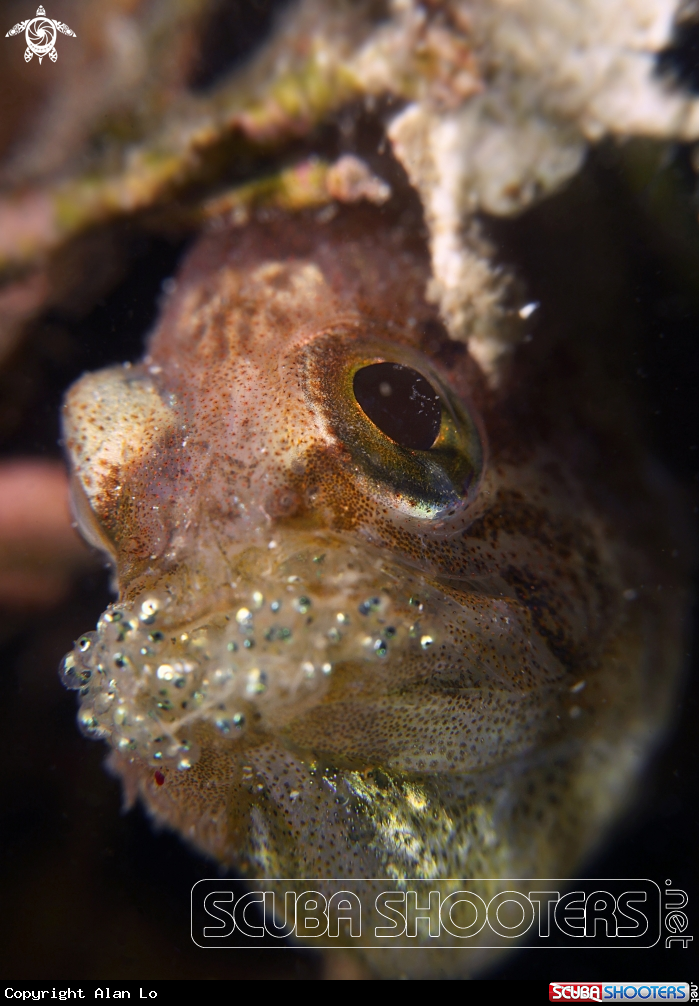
(553,563)
(329,488)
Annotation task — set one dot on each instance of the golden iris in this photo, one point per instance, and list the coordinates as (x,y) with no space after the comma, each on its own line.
(419,449)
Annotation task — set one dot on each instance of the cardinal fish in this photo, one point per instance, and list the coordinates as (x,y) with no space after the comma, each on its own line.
(377,616)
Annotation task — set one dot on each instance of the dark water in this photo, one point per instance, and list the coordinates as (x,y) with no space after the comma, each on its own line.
(627,242)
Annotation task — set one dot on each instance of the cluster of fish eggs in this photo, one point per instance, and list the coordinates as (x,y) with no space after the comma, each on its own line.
(144,685)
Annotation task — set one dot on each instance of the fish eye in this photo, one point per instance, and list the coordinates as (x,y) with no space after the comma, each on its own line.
(401,402)
(412,444)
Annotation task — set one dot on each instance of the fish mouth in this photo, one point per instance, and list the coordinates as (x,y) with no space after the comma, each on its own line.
(334,650)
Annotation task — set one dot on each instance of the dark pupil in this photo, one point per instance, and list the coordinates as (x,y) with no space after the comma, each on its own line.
(400,402)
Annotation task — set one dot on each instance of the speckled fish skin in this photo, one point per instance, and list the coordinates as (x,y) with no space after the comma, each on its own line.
(324,661)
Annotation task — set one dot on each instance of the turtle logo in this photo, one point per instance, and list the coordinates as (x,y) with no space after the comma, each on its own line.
(40,32)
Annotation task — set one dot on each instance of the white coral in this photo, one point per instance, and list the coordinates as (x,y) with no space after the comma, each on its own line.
(555,75)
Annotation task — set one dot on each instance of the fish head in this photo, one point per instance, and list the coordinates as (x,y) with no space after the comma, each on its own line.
(337,557)
(280,391)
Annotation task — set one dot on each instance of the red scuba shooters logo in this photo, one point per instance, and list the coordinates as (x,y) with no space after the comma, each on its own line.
(618,991)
